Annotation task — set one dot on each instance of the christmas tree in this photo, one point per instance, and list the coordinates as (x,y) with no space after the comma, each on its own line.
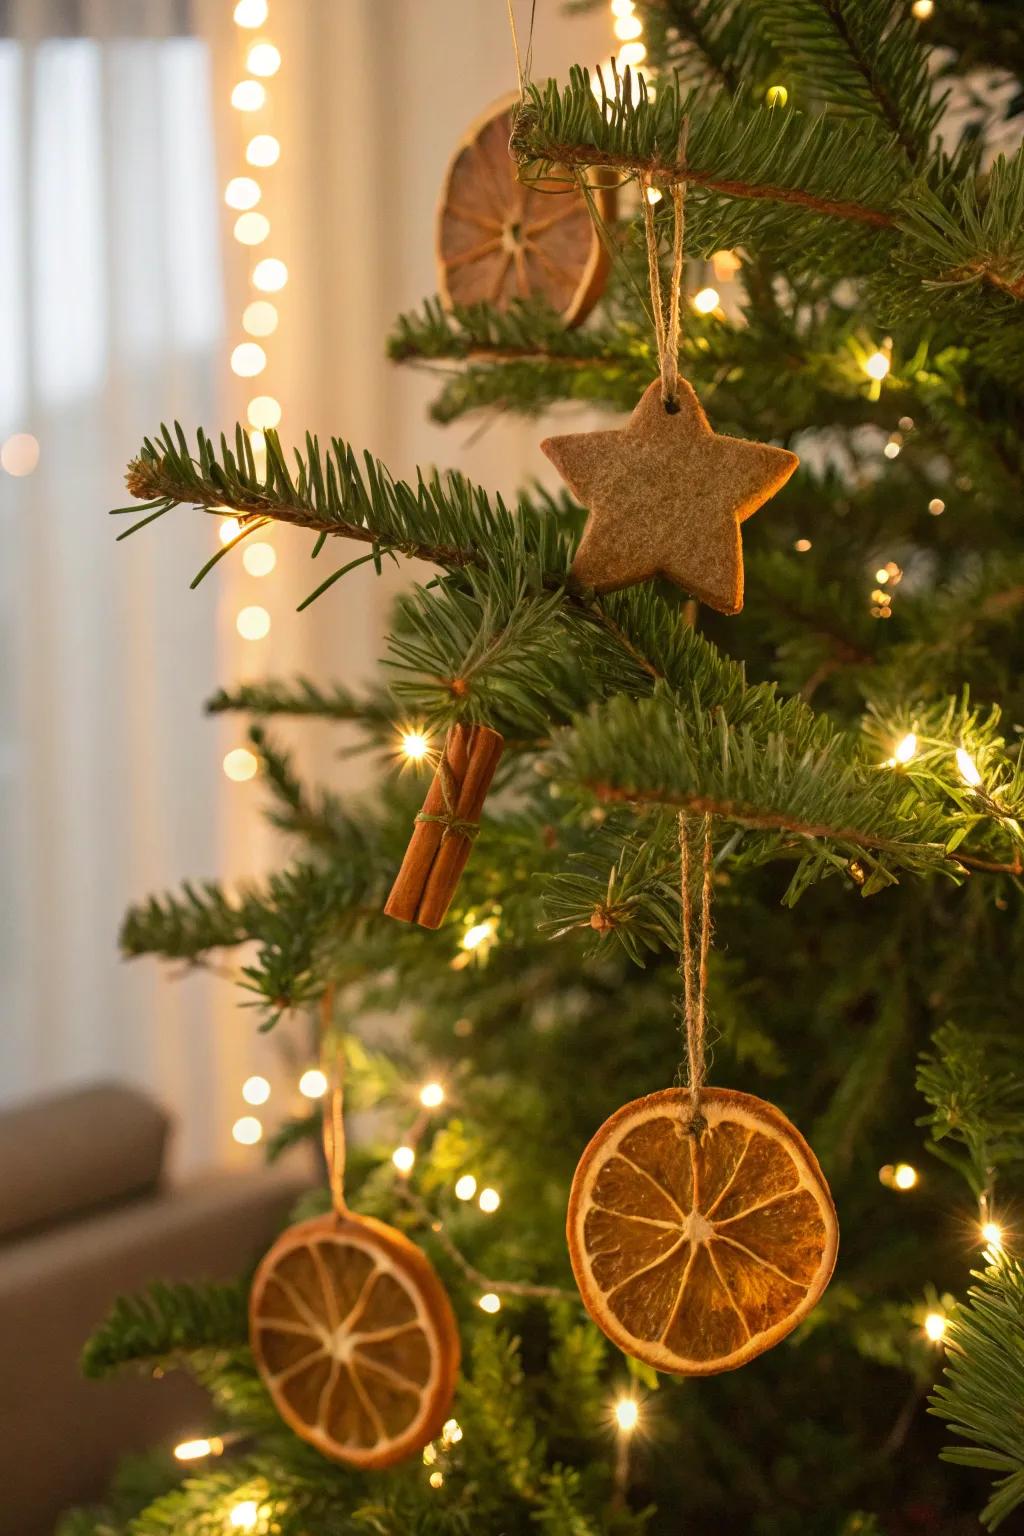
(843,751)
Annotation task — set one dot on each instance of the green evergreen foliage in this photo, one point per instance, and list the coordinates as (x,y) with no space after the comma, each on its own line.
(860,212)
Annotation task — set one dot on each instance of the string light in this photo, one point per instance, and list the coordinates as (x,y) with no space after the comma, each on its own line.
(256,1090)
(891,449)
(195,1450)
(451,1433)
(489,1201)
(247,1131)
(935,1326)
(877,366)
(253,623)
(240,764)
(313,1083)
(244,1515)
(229,529)
(936,507)
(623,7)
(20,454)
(269,275)
(415,745)
(490,1302)
(776,95)
(967,768)
(242,192)
(465,1187)
(479,933)
(263,150)
(922,9)
(706,300)
(264,411)
(251,228)
(263,59)
(249,96)
(627,28)
(251,13)
(802,546)
(627,1414)
(992,1233)
(902,753)
(436,1479)
(653,195)
(432,1095)
(904,1176)
(259,559)
(260,318)
(248,359)
(631,54)
(403,1158)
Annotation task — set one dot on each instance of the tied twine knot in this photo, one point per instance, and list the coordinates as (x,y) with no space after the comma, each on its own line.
(693,965)
(667,332)
(454,825)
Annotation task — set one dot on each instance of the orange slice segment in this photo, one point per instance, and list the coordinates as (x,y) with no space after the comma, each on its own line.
(500,239)
(697,1254)
(355,1339)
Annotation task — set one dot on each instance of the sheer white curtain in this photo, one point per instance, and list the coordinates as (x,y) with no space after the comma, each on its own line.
(116,142)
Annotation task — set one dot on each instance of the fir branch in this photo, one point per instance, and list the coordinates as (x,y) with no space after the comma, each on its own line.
(302,698)
(165,1322)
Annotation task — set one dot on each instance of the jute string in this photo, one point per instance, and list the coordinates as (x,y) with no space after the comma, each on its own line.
(694,965)
(449,819)
(667,331)
(522,70)
(332,1061)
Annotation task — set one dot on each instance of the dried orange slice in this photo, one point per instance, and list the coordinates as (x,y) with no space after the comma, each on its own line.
(697,1254)
(355,1339)
(499,239)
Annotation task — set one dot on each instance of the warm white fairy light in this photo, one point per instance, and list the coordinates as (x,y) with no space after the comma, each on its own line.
(654,195)
(242,192)
(936,506)
(967,768)
(263,59)
(196,1450)
(19,454)
(935,1326)
(623,7)
(269,275)
(489,1201)
(403,1158)
(253,622)
(240,764)
(229,529)
(891,450)
(263,150)
(244,1515)
(992,1233)
(415,745)
(313,1083)
(802,546)
(249,96)
(706,300)
(251,228)
(465,1187)
(247,1131)
(630,55)
(259,559)
(922,9)
(905,748)
(260,318)
(251,13)
(436,1479)
(627,1414)
(776,95)
(627,28)
(263,411)
(451,1433)
(904,1176)
(479,933)
(490,1301)
(877,366)
(248,359)
(256,1090)
(432,1095)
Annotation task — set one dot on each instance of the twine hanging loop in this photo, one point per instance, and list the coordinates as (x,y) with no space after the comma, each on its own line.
(332,1060)
(694,966)
(667,330)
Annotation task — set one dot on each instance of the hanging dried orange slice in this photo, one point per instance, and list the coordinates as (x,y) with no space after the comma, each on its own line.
(355,1339)
(500,239)
(696,1254)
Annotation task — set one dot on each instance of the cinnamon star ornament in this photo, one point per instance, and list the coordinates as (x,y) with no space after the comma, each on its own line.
(666,497)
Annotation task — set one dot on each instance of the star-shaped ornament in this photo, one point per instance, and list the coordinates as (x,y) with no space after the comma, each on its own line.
(666,497)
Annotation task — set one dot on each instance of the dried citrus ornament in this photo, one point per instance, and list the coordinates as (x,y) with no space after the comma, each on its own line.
(500,239)
(697,1252)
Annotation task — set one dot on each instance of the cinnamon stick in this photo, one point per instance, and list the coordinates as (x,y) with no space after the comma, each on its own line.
(442,839)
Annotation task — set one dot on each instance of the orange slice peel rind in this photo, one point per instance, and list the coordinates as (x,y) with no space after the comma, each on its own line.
(697,1254)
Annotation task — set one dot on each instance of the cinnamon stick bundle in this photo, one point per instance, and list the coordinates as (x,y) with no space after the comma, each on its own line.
(445,827)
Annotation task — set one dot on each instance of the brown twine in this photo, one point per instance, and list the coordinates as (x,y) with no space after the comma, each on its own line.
(332,1060)
(453,824)
(522,70)
(694,968)
(667,333)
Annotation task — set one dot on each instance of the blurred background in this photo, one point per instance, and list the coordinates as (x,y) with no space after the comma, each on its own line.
(165,167)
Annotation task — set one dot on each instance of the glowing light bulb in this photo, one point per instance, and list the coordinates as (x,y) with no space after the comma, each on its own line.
(891,450)
(263,59)
(313,1083)
(627,1414)
(195,1450)
(489,1201)
(415,745)
(242,192)
(653,195)
(240,764)
(229,529)
(248,96)
(451,1434)
(263,150)
(259,559)
(882,574)
(631,54)
(248,359)
(243,1516)
(776,95)
(20,454)
(935,1326)
(904,751)
(247,1131)
(623,7)
(489,1302)
(269,275)
(967,768)
(478,933)
(256,1090)
(922,9)
(260,318)
(403,1158)
(251,228)
(251,13)
(992,1232)
(263,411)
(253,623)
(802,546)
(904,1176)
(706,300)
(436,1479)
(432,1095)
(465,1187)
(877,366)
(627,28)
(936,507)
